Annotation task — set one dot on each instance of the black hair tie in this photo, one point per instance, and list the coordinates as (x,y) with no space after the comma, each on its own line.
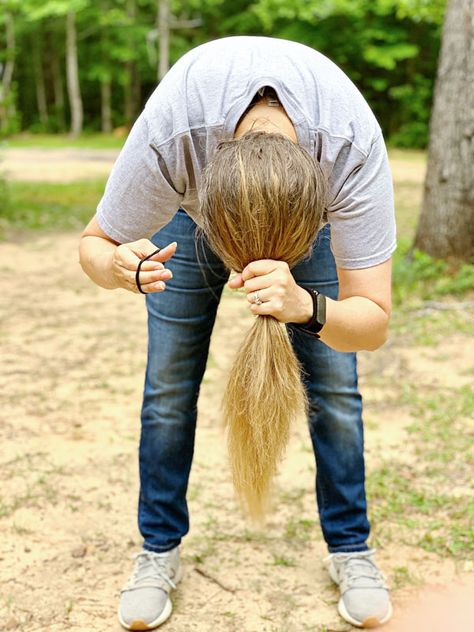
(137,273)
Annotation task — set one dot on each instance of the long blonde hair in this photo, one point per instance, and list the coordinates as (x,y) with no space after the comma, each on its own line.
(262,197)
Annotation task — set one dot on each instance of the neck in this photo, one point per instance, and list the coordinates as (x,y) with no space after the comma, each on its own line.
(264,117)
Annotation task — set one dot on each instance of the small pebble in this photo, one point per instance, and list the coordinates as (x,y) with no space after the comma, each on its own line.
(79,551)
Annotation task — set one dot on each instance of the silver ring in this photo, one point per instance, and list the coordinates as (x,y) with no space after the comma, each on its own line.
(257,300)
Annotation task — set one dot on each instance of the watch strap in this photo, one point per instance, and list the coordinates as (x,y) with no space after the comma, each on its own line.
(318,319)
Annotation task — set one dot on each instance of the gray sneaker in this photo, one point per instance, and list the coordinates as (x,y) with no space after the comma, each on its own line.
(144,600)
(365,600)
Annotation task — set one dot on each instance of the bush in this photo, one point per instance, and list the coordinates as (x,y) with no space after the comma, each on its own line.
(418,276)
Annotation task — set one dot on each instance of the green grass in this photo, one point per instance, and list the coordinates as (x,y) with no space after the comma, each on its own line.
(51,206)
(414,496)
(60,141)
(419,277)
(281,560)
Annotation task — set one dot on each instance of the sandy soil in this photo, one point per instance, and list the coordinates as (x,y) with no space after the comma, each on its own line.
(73,358)
(56,165)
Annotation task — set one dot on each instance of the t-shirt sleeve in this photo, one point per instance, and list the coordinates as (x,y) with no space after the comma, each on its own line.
(362,215)
(139,197)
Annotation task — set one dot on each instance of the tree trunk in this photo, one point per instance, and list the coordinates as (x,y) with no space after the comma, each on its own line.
(106,80)
(446,226)
(6,108)
(132,83)
(7,74)
(164,37)
(37,49)
(132,93)
(74,90)
(57,81)
(106,105)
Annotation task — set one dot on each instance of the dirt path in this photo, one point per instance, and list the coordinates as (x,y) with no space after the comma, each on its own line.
(73,358)
(70,164)
(56,165)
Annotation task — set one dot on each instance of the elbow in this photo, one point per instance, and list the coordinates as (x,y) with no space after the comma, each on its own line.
(376,343)
(379,337)
(82,254)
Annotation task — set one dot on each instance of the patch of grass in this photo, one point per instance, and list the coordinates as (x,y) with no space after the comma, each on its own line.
(41,492)
(33,205)
(419,277)
(206,551)
(69,607)
(402,577)
(60,141)
(281,560)
(440,428)
(429,328)
(408,198)
(299,530)
(428,498)
(37,486)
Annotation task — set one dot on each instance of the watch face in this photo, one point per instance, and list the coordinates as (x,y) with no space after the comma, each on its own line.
(321,309)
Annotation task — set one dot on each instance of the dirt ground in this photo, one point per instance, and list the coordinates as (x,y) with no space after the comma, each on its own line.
(57,165)
(73,358)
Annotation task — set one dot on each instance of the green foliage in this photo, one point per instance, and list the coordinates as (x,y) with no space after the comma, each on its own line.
(388,47)
(418,276)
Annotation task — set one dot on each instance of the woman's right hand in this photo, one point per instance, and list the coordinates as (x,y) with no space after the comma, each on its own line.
(153,274)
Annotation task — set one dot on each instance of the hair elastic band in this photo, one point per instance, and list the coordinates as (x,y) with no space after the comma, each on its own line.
(137,273)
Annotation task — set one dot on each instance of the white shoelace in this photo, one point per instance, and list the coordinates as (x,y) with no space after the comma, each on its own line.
(151,570)
(353,567)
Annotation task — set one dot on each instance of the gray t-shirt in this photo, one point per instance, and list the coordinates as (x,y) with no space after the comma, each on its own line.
(199,103)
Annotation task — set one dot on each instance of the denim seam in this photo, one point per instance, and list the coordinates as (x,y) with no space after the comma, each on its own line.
(157,549)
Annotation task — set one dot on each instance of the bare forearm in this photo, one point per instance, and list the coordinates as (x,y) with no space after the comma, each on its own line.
(354,324)
(95,256)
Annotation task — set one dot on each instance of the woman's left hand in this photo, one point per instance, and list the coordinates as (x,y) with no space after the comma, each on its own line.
(272,283)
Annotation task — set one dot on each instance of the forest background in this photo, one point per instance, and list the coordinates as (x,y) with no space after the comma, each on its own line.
(389,48)
(75,355)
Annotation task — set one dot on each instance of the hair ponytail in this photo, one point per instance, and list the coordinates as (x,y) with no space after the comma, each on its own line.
(264,395)
(262,196)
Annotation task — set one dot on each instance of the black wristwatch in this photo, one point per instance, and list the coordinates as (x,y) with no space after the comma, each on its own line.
(318,319)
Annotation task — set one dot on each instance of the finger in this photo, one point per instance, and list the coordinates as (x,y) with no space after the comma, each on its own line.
(141,248)
(127,258)
(130,255)
(149,266)
(265,309)
(147,288)
(262,266)
(153,276)
(260,282)
(263,295)
(150,288)
(236,282)
(165,253)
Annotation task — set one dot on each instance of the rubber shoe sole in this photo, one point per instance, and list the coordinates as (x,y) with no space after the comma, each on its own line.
(138,624)
(370,622)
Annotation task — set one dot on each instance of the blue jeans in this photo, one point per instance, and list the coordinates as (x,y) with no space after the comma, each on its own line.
(180,323)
